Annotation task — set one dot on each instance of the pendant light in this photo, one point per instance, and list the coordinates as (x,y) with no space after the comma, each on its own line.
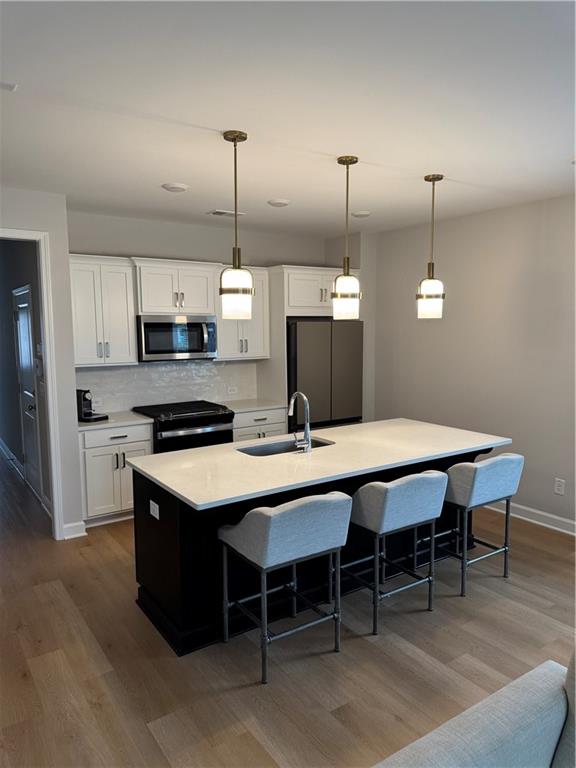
(346,293)
(430,296)
(236,283)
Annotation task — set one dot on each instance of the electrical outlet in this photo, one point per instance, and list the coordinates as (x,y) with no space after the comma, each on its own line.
(232,390)
(154,510)
(559,486)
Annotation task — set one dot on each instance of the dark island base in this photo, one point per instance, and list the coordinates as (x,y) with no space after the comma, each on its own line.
(178,559)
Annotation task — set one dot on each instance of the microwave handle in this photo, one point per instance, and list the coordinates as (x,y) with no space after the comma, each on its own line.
(205,335)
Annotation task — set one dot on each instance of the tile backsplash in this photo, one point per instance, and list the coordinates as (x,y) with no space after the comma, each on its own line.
(121,387)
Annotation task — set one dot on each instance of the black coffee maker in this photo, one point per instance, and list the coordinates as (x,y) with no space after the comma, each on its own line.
(84,404)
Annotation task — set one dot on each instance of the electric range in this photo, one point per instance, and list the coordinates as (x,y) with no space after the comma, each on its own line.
(191,424)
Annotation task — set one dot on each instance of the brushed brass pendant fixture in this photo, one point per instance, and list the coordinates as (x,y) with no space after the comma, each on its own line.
(236,283)
(430,296)
(346,292)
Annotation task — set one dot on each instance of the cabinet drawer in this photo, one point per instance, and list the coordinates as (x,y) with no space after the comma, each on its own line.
(254,433)
(260,418)
(117,435)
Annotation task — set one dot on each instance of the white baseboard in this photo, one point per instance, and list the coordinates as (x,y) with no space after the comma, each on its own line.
(546,519)
(74,530)
(116,518)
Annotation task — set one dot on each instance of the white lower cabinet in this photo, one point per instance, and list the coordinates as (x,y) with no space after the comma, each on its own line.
(107,480)
(253,425)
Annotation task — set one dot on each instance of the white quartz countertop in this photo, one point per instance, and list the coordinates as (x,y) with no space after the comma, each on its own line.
(117,419)
(256,404)
(220,474)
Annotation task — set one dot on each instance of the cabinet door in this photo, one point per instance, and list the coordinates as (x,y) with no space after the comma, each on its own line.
(256,332)
(230,345)
(127,452)
(246,433)
(277,429)
(87,314)
(306,292)
(196,286)
(158,289)
(103,493)
(118,313)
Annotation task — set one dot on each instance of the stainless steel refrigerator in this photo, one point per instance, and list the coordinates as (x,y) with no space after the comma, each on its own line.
(325,363)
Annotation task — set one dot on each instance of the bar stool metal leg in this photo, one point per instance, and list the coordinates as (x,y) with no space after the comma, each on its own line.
(464,562)
(264,625)
(294,587)
(383,563)
(507,541)
(375,590)
(330,577)
(337,611)
(432,565)
(225,606)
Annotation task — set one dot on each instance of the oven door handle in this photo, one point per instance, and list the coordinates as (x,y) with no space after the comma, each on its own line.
(192,431)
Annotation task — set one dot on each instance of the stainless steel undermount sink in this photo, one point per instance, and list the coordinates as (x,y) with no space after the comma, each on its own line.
(283,446)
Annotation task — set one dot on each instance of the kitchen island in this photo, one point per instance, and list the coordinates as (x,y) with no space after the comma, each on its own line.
(182,498)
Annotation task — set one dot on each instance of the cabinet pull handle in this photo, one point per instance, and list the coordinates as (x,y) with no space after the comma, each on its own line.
(116,457)
(241,345)
(321,295)
(259,435)
(123,460)
(176,294)
(262,418)
(245,345)
(107,348)
(118,437)
(99,352)
(181,298)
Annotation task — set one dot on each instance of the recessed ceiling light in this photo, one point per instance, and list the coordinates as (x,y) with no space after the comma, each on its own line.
(279,202)
(175,186)
(361,214)
(11,87)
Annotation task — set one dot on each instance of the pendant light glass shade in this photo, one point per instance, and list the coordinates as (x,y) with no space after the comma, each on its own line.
(236,283)
(430,296)
(430,299)
(346,292)
(346,298)
(236,290)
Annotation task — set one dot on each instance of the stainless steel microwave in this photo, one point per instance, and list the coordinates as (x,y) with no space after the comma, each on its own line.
(176,337)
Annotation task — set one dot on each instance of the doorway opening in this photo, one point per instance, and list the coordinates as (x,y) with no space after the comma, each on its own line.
(24,407)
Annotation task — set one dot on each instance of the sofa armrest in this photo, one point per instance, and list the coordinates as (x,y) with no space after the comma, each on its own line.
(516,727)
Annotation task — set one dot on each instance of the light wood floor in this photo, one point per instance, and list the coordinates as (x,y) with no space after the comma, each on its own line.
(85,680)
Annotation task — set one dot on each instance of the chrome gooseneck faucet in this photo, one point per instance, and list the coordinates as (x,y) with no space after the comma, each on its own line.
(304,443)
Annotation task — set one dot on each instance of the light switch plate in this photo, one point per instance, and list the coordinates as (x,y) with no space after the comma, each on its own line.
(154,510)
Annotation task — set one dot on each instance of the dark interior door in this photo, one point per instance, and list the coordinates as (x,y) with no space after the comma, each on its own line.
(347,339)
(313,368)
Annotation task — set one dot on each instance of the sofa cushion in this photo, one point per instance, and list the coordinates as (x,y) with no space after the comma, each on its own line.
(565,756)
(516,727)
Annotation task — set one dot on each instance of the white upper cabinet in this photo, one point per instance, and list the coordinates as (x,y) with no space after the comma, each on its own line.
(247,339)
(307,290)
(103,311)
(169,287)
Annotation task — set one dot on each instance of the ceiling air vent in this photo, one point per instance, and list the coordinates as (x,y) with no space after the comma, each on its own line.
(222,212)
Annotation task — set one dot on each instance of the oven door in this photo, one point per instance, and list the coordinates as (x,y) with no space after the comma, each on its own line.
(170,437)
(176,337)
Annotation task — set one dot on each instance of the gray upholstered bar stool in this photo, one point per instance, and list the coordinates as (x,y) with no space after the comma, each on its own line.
(475,484)
(270,538)
(386,508)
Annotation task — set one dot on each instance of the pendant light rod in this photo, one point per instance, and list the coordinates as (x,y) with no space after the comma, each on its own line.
(433,178)
(347,160)
(235,137)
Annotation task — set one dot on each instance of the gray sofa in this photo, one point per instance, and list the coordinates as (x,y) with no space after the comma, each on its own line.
(527,724)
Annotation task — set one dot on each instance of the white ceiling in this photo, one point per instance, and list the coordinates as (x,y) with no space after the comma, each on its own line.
(116,98)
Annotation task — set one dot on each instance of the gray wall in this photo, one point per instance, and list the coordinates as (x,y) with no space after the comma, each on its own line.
(18,267)
(125,236)
(46,212)
(502,359)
